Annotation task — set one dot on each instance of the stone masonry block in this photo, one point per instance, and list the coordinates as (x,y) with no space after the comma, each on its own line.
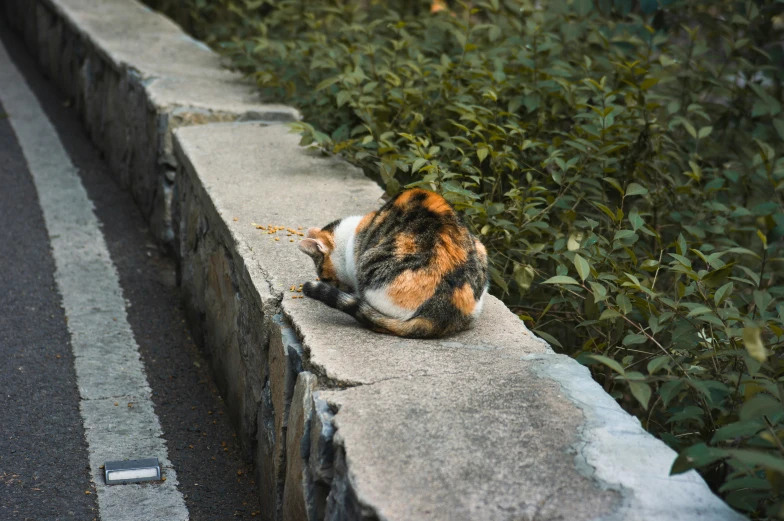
(321,457)
(266,439)
(298,501)
(284,365)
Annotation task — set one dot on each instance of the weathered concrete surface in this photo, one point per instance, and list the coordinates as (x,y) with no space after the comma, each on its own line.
(134,76)
(535,439)
(616,451)
(491,443)
(487,424)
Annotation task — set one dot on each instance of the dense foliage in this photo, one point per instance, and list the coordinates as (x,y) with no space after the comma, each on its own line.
(623,162)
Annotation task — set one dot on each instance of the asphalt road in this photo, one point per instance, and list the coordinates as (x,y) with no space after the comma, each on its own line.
(44,470)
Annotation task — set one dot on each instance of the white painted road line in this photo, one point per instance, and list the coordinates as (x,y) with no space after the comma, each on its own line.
(116,408)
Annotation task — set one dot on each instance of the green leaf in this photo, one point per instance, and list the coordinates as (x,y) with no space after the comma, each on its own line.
(343,97)
(762,300)
(636,189)
(714,391)
(634,339)
(624,304)
(681,246)
(582,266)
(648,83)
(697,456)
(608,314)
(764,459)
(550,339)
(690,129)
(641,391)
(687,415)
(573,244)
(623,234)
(561,279)
(320,137)
(657,363)
(779,125)
(670,390)
(523,276)
(498,279)
(609,362)
(635,220)
(717,277)
(419,163)
(599,291)
(704,132)
(760,405)
(680,258)
(746,482)
(699,310)
(752,341)
(609,213)
(743,251)
(326,83)
(749,501)
(738,430)
(481,153)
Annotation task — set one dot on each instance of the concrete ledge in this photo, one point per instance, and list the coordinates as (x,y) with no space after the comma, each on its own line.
(341,422)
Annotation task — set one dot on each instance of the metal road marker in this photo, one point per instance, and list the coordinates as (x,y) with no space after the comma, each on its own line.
(106,357)
(132,471)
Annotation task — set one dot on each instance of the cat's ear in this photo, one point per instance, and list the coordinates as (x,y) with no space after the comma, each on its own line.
(313,247)
(313,232)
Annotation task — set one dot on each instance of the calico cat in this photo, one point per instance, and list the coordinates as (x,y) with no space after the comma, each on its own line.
(410,269)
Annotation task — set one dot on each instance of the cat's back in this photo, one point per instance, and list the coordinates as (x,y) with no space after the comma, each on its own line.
(415,257)
(413,222)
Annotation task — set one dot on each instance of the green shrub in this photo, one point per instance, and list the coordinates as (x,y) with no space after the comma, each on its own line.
(622,162)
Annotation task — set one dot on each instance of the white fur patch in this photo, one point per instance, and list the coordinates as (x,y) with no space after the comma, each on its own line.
(379,300)
(478,308)
(343,256)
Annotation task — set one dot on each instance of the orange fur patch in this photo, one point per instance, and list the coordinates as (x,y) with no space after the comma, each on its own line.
(437,204)
(480,249)
(463,299)
(412,288)
(405,327)
(448,253)
(404,198)
(328,238)
(419,325)
(405,244)
(328,269)
(365,222)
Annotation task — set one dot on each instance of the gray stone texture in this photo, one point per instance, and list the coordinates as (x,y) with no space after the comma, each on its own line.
(342,423)
(298,502)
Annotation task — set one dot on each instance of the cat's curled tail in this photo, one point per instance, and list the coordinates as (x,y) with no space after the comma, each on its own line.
(366,314)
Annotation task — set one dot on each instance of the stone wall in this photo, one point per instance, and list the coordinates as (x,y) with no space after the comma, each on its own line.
(342,423)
